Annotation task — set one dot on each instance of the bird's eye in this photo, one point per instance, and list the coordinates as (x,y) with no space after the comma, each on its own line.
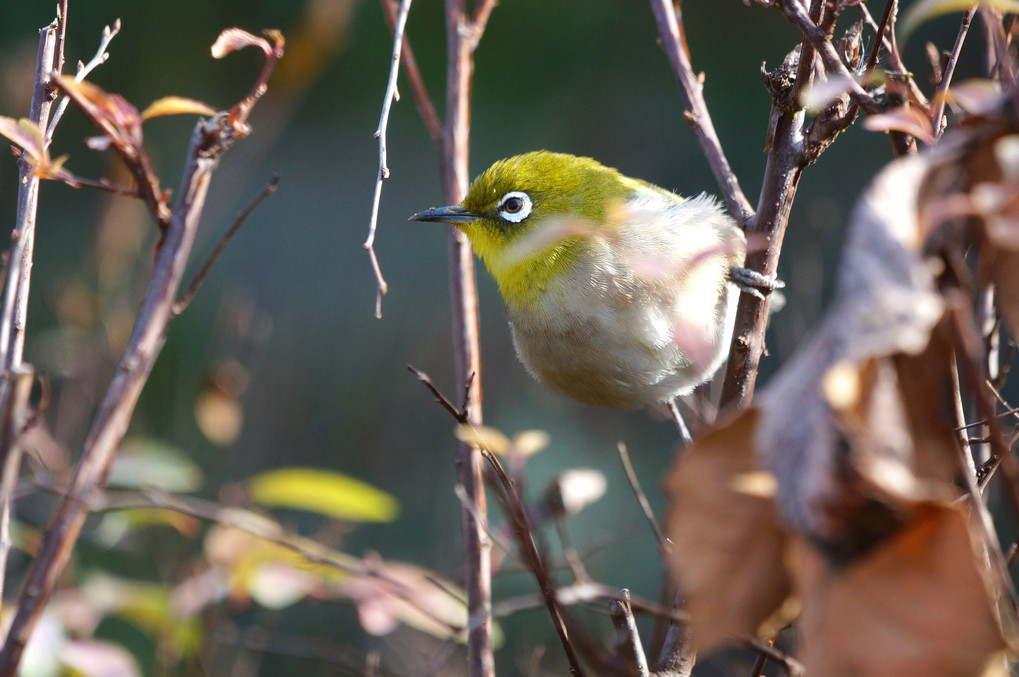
(515,206)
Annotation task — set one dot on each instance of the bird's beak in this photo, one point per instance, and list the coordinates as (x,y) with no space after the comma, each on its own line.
(445,215)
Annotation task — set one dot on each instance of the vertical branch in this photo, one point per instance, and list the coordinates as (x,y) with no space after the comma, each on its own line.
(462,35)
(19,273)
(14,383)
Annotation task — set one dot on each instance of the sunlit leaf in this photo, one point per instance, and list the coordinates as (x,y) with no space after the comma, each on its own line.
(925,10)
(176,105)
(99,658)
(233,39)
(26,134)
(578,488)
(905,118)
(530,442)
(407,594)
(327,493)
(483,436)
(115,526)
(146,462)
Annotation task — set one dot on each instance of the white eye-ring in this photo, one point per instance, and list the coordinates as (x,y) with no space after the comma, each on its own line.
(515,206)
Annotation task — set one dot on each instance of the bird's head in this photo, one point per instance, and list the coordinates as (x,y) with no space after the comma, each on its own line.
(524,215)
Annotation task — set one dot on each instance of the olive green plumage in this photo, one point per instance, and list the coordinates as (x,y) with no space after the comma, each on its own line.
(617,291)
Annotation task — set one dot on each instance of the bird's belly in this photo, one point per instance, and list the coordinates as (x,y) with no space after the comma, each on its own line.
(623,355)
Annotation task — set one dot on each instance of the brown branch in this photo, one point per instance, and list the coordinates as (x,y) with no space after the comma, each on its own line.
(426,109)
(522,529)
(664,544)
(209,141)
(459,414)
(629,653)
(462,36)
(673,35)
(14,384)
(196,283)
(941,91)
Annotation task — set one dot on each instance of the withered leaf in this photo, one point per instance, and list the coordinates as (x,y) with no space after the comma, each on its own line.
(915,605)
(727,547)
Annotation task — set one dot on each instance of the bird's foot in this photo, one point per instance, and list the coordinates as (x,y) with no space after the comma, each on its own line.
(754,283)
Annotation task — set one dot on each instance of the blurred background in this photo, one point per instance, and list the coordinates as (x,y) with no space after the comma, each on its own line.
(279,361)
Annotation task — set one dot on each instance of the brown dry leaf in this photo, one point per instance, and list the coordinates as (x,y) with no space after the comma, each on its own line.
(886,305)
(917,604)
(1005,274)
(233,39)
(905,118)
(728,548)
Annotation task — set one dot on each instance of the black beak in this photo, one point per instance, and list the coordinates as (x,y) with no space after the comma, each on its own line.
(445,215)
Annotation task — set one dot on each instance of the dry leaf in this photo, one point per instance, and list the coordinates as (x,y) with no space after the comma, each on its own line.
(727,546)
(905,118)
(915,605)
(176,105)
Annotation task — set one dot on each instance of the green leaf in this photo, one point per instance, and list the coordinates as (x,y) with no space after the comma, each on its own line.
(925,10)
(146,462)
(327,493)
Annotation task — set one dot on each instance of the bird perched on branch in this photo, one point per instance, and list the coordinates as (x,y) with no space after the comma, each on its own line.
(619,293)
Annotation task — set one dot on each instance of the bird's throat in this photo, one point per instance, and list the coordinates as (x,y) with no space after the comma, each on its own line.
(524,281)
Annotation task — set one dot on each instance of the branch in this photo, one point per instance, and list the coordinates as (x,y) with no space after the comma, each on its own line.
(14,385)
(522,529)
(196,283)
(426,109)
(664,544)
(629,654)
(82,72)
(392,94)
(462,36)
(209,141)
(673,36)
(941,91)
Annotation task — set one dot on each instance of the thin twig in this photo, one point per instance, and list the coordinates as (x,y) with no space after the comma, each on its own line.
(392,95)
(673,35)
(82,72)
(13,421)
(426,109)
(199,278)
(664,544)
(521,527)
(459,414)
(941,91)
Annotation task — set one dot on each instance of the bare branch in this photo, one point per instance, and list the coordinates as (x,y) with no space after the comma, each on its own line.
(664,544)
(82,72)
(459,414)
(670,28)
(426,109)
(521,528)
(629,651)
(462,36)
(196,283)
(941,91)
(392,95)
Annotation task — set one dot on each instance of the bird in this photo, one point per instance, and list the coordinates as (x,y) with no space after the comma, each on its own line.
(618,293)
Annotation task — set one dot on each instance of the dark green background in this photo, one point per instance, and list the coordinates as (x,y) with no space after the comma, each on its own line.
(329,387)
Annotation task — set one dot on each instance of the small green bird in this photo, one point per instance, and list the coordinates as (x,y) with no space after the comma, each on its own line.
(619,293)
